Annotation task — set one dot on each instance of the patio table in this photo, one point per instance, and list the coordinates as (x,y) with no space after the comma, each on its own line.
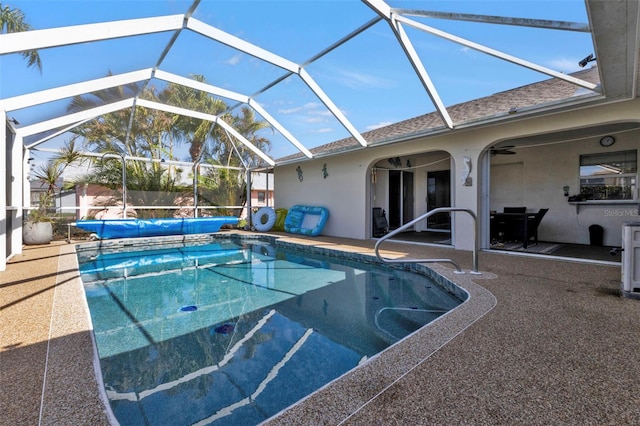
(505,221)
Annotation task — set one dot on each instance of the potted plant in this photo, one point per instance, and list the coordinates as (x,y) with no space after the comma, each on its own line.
(38,226)
(38,229)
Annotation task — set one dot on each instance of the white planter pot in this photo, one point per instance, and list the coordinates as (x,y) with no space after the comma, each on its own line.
(37,233)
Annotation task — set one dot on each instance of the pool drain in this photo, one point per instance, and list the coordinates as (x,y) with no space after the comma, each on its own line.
(189,308)
(224,329)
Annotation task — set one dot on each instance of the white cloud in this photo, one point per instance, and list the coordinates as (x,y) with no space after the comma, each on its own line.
(308,107)
(322,130)
(379,125)
(564,65)
(234,60)
(359,80)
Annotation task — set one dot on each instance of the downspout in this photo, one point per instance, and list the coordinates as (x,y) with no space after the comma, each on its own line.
(267,185)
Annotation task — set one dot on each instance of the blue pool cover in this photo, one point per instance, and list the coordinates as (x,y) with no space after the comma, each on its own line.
(132,228)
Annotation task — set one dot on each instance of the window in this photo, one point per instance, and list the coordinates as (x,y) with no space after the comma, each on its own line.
(261,196)
(609,176)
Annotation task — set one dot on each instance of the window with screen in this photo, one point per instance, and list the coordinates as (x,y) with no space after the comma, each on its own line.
(609,176)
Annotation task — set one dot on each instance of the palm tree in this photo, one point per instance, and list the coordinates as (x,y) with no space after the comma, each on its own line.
(232,153)
(149,136)
(153,134)
(49,174)
(12,20)
(195,132)
(247,125)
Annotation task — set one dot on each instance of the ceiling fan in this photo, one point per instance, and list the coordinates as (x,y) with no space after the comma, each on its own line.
(503,150)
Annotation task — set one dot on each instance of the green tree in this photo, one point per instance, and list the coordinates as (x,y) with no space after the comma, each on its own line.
(193,131)
(149,137)
(155,134)
(229,152)
(50,175)
(12,20)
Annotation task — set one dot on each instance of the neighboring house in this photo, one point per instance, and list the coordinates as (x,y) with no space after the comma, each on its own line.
(414,166)
(64,199)
(262,191)
(99,202)
(95,201)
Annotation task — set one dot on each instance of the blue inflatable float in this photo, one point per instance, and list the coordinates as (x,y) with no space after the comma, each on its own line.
(133,228)
(306,220)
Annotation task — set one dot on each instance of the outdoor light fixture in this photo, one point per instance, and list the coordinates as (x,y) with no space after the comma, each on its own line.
(586,60)
(14,121)
(566,190)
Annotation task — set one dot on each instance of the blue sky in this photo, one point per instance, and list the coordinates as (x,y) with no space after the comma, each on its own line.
(368,78)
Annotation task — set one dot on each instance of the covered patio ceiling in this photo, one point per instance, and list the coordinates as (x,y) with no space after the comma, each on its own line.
(315,71)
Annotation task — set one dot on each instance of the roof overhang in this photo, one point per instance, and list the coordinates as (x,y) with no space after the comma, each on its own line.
(614,27)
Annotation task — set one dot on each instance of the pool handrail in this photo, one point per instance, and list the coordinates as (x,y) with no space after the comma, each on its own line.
(423,217)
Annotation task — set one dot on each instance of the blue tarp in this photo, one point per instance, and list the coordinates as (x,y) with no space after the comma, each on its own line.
(132,228)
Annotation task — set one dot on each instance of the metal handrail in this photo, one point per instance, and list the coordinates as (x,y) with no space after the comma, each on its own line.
(420,218)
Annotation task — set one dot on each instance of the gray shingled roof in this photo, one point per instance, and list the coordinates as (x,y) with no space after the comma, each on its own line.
(499,104)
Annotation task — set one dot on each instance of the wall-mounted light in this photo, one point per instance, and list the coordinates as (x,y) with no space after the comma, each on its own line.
(566,190)
(586,60)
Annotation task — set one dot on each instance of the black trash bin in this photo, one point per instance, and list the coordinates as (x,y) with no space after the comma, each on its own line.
(596,233)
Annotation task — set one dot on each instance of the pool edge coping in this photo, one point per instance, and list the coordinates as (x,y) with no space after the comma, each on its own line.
(338,400)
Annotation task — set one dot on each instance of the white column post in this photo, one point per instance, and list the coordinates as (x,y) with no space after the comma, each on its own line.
(465,193)
(3,188)
(17,168)
(84,210)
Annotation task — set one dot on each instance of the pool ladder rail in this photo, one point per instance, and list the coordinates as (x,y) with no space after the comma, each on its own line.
(423,217)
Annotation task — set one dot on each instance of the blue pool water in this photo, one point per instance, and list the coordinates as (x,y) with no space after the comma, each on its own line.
(230,332)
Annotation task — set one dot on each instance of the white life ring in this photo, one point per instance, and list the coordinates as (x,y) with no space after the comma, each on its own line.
(259,215)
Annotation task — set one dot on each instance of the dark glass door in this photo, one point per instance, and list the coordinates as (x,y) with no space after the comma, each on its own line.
(439,195)
(400,198)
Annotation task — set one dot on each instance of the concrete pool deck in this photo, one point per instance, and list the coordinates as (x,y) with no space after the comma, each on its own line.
(541,341)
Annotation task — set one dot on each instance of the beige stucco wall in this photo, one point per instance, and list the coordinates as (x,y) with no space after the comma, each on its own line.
(346,190)
(545,170)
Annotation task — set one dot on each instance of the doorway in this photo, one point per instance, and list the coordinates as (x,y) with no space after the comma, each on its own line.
(400,198)
(439,195)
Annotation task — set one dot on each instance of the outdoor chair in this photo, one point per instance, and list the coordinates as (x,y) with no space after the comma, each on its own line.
(516,229)
(533,223)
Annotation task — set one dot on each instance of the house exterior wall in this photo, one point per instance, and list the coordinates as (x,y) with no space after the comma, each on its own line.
(546,170)
(346,191)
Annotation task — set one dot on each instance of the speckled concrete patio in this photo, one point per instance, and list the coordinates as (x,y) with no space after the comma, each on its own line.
(540,341)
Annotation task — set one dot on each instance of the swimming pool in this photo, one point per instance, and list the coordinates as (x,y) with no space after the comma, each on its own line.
(231,331)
